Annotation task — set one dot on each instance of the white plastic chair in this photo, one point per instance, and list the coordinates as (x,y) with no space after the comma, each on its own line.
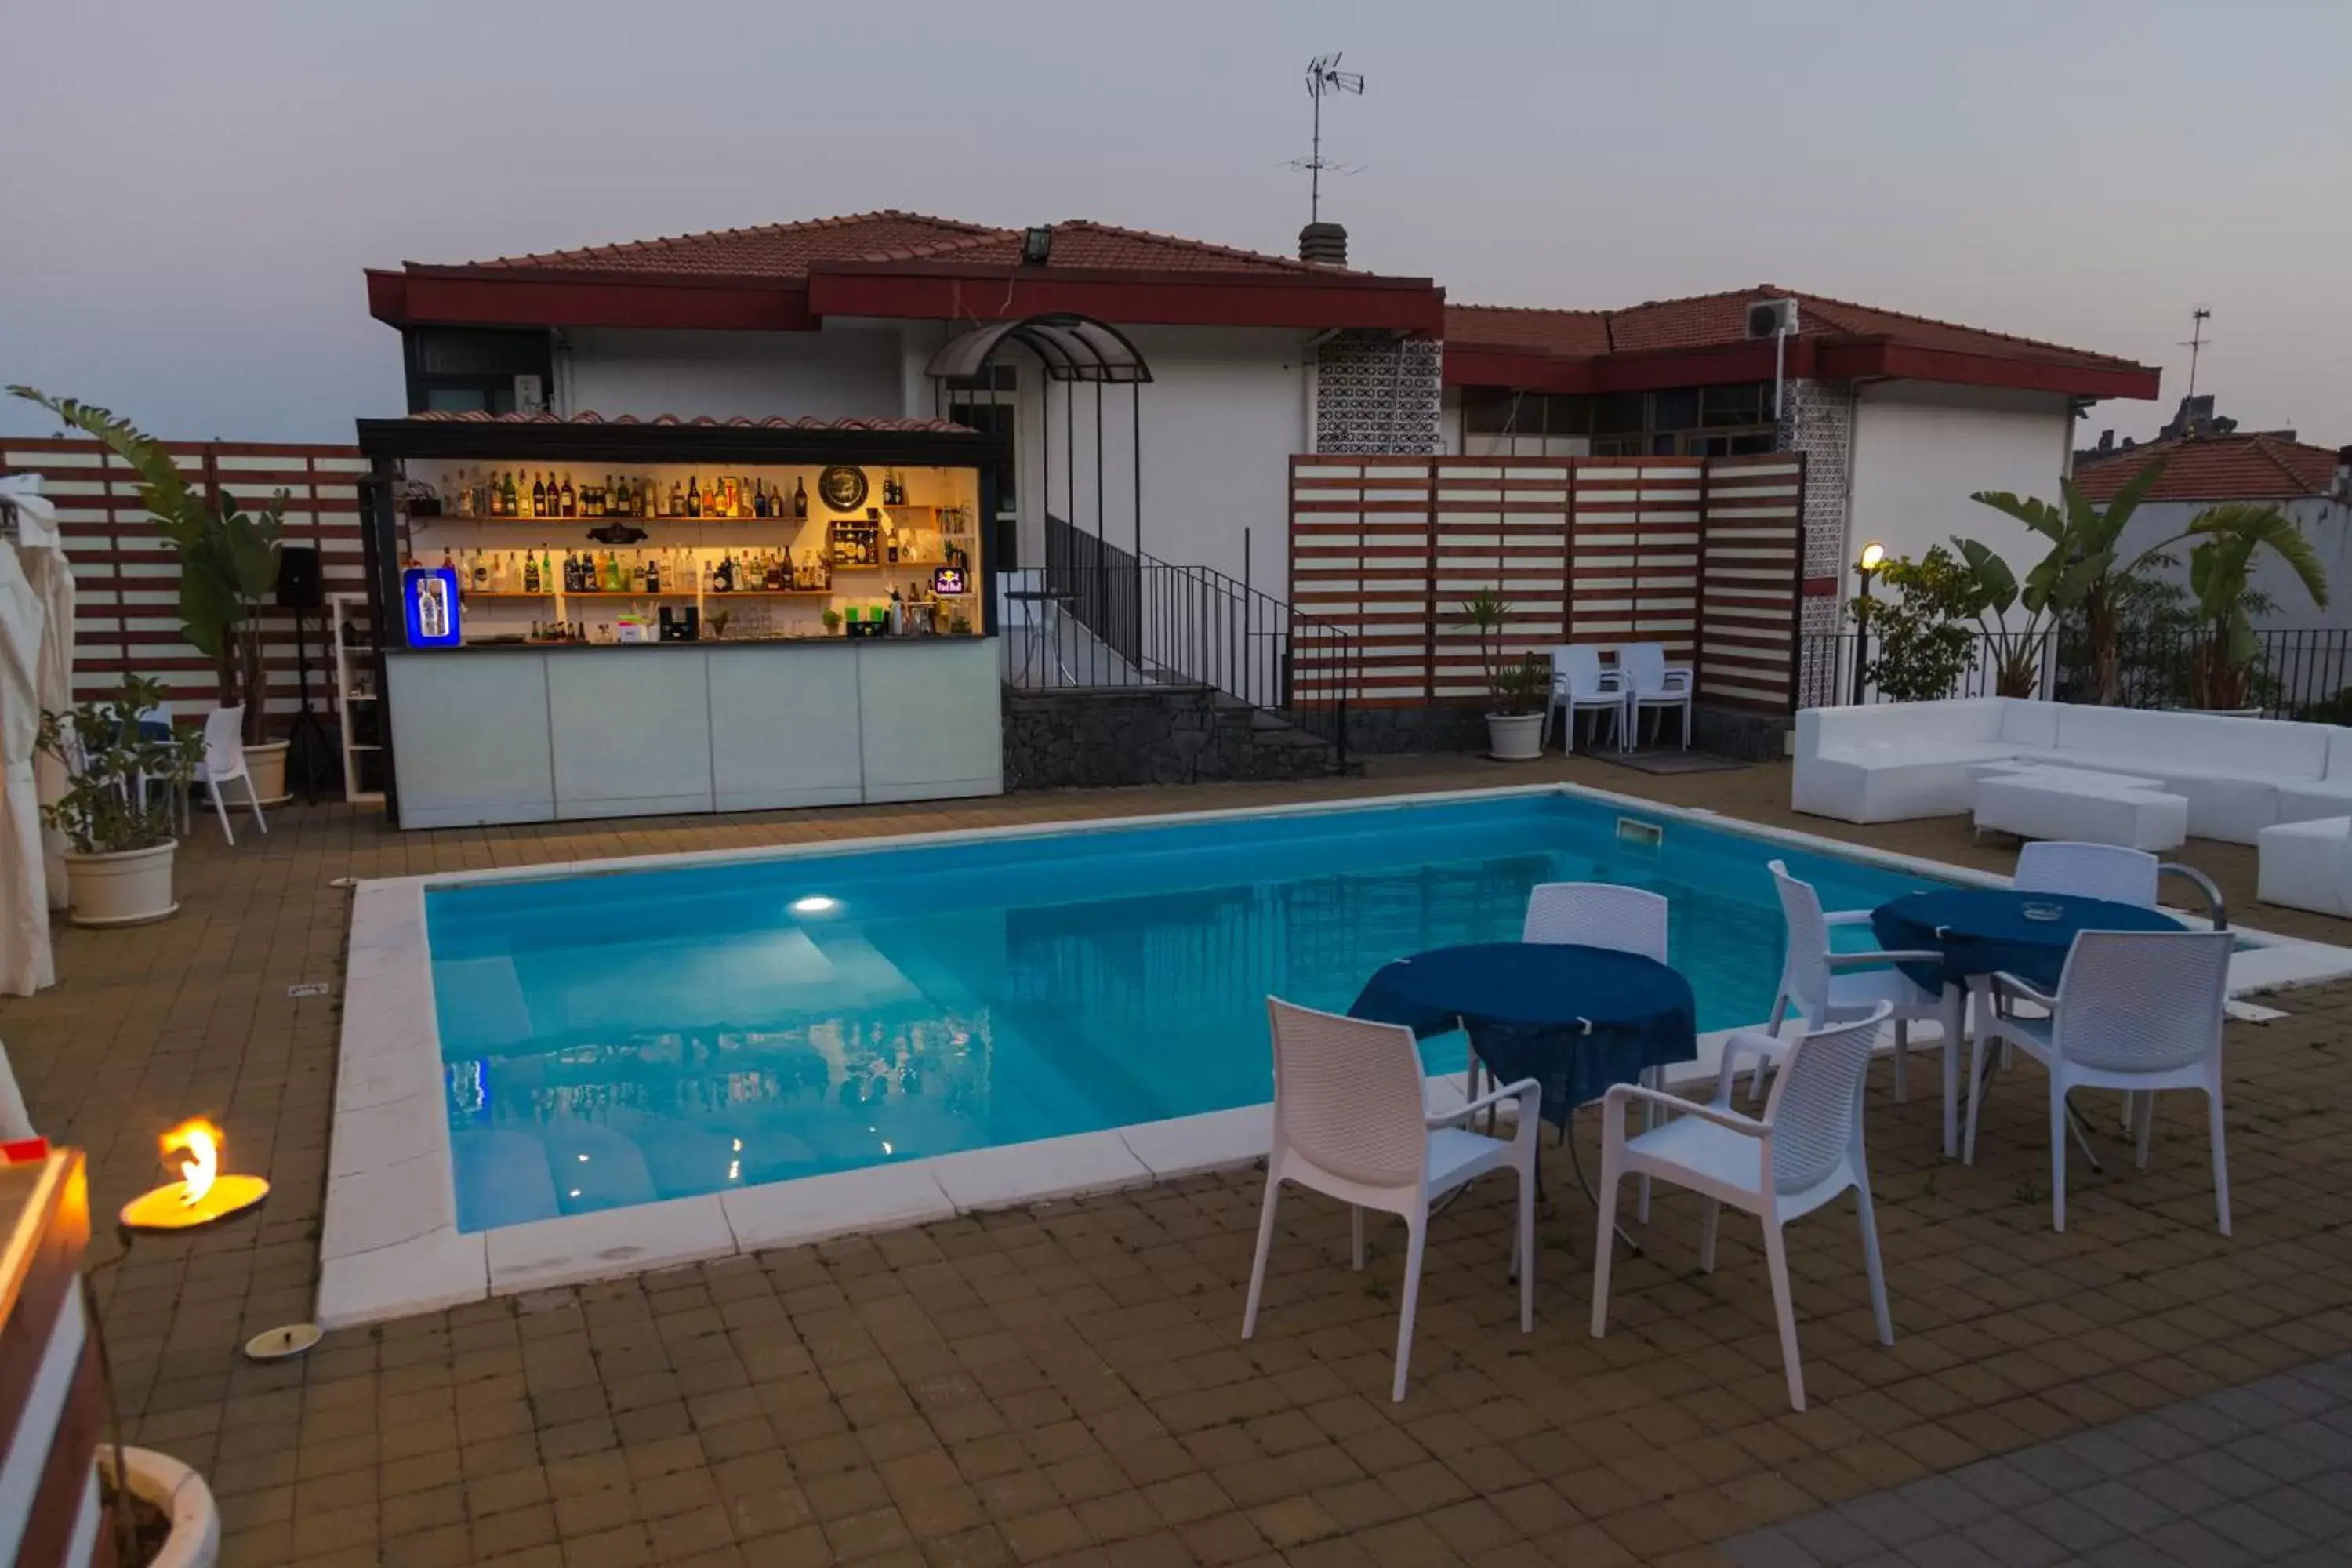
(1825,987)
(2088,871)
(1651,685)
(1601,914)
(223,762)
(1349,1122)
(2138,1011)
(1580,685)
(1804,1150)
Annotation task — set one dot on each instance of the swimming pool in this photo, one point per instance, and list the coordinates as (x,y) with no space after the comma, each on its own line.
(618,1038)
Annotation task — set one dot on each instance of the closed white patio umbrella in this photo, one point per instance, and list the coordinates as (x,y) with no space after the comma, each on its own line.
(41,551)
(26,962)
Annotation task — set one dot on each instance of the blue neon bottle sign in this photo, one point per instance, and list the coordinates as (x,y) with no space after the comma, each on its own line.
(428,596)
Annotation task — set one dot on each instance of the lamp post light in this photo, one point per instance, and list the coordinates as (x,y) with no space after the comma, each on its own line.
(1865,566)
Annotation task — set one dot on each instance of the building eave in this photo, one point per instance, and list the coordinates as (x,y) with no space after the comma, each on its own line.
(1814,356)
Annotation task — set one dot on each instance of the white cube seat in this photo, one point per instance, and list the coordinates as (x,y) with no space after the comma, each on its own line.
(2083,806)
(2307,866)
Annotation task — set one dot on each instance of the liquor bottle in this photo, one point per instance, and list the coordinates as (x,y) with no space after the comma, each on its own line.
(640,581)
(637,496)
(722,576)
(538,497)
(571,498)
(759,498)
(693,497)
(654,575)
(530,574)
(800,499)
(772,576)
(570,574)
(687,572)
(504,496)
(546,573)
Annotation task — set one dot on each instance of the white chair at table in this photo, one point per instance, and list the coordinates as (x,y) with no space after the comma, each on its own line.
(2109,871)
(1804,1150)
(1824,986)
(223,763)
(1601,914)
(2137,1010)
(1651,685)
(1581,684)
(1349,1122)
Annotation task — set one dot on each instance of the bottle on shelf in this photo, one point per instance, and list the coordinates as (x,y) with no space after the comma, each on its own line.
(571,498)
(530,572)
(654,575)
(538,497)
(722,576)
(693,497)
(772,576)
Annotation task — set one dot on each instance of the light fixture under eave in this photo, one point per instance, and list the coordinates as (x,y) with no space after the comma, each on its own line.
(202,1196)
(816,904)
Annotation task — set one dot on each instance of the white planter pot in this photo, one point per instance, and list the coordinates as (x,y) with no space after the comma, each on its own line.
(1515,737)
(126,889)
(181,1493)
(267,764)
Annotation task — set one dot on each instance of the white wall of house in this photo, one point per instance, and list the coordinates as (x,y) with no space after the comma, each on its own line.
(837,373)
(2328,524)
(1921,449)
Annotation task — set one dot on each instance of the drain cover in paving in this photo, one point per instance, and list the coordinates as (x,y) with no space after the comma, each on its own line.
(1663,761)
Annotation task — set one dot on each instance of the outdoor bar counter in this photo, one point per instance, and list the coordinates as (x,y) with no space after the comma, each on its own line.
(587,730)
(578,618)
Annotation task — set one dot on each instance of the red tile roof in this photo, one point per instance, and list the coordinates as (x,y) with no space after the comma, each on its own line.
(785,251)
(1709,320)
(771,251)
(2253,466)
(738,422)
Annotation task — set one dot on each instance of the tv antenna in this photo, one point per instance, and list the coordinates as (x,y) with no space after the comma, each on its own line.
(2195,340)
(1324,77)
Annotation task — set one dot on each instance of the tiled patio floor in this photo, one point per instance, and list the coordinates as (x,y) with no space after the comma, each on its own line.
(1067,1382)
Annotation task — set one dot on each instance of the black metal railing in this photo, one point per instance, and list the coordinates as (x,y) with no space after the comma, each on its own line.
(1095,615)
(2297,673)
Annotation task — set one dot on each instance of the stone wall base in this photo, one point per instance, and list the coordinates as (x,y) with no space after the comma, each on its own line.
(1148,735)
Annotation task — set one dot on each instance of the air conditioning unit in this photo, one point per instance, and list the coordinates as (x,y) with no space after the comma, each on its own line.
(1772,319)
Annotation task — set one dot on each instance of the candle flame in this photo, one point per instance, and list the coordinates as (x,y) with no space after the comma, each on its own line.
(200,1141)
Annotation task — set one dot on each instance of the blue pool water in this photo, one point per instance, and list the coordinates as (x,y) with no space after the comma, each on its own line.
(612,1039)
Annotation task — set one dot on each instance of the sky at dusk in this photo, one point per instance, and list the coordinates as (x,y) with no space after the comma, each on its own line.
(188,193)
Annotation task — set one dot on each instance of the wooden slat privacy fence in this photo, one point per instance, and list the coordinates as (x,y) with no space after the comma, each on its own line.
(1702,555)
(127,579)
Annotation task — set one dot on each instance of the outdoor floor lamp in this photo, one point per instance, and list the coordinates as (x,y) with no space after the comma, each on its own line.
(1865,566)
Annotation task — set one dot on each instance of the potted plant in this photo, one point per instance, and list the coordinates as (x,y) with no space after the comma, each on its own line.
(2081,575)
(832,621)
(228,569)
(2017,647)
(119,843)
(2221,659)
(180,1527)
(1515,688)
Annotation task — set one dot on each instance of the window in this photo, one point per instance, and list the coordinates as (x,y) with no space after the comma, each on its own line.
(463,370)
(1675,410)
(1748,403)
(1492,412)
(1619,414)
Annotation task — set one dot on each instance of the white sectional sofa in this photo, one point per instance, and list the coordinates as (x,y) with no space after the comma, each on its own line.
(1891,761)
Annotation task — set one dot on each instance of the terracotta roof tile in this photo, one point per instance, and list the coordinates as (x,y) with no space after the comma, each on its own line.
(738,422)
(771,251)
(1707,321)
(2254,466)
(785,251)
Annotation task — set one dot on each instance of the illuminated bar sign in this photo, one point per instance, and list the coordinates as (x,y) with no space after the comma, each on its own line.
(946,580)
(428,596)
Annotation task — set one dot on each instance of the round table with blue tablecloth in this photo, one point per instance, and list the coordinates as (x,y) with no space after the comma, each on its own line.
(1574,1018)
(1984,931)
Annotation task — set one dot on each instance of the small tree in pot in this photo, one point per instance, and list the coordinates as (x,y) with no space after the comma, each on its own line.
(1515,688)
(120,846)
(228,558)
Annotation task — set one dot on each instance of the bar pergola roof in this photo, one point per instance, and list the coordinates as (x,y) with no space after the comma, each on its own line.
(1071,348)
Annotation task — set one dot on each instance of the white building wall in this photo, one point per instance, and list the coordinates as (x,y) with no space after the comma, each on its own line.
(1920,450)
(837,373)
(2328,524)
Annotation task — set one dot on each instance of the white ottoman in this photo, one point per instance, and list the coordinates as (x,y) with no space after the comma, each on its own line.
(2081,805)
(2307,864)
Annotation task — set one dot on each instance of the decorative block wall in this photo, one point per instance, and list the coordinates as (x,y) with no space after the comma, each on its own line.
(1817,419)
(1375,394)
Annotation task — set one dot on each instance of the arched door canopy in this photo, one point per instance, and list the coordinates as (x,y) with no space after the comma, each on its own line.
(1071,348)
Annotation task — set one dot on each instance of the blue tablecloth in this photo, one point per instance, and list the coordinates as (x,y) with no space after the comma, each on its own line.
(1576,1019)
(1984,931)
